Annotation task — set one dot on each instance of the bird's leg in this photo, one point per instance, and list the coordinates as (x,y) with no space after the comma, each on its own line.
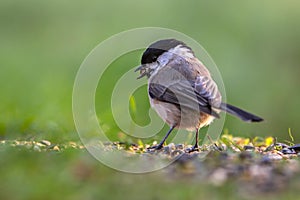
(160,145)
(196,146)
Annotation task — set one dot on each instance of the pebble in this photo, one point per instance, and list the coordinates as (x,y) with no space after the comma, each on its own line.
(167,149)
(288,151)
(36,148)
(295,147)
(45,142)
(172,146)
(282,145)
(179,146)
(56,148)
(248,147)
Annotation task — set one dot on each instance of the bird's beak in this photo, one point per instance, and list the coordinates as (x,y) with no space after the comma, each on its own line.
(143,71)
(139,68)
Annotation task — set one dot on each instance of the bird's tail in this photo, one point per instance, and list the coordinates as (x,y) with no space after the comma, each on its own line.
(245,116)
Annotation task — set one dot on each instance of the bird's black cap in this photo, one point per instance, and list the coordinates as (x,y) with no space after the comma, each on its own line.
(159,47)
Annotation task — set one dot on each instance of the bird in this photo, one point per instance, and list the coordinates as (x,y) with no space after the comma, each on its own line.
(181,89)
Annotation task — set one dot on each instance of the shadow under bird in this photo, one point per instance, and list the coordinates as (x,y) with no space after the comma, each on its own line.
(181,89)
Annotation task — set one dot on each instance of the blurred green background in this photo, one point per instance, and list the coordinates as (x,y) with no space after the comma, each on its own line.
(255,44)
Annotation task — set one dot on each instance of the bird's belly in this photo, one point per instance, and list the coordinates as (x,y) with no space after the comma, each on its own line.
(184,119)
(168,112)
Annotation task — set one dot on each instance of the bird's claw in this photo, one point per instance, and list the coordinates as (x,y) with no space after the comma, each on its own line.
(155,147)
(194,148)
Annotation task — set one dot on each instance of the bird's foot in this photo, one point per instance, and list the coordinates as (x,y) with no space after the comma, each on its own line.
(154,148)
(193,149)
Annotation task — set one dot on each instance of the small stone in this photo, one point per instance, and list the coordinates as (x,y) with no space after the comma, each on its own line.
(224,147)
(36,148)
(177,152)
(171,146)
(73,144)
(281,145)
(288,151)
(107,143)
(248,147)
(295,147)
(45,142)
(56,148)
(167,149)
(179,146)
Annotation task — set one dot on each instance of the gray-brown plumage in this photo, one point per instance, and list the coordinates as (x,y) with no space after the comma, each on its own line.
(181,89)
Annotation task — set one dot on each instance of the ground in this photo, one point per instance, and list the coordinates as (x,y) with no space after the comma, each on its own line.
(234,167)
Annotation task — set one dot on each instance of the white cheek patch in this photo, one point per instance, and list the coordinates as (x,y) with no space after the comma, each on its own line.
(164,59)
(153,65)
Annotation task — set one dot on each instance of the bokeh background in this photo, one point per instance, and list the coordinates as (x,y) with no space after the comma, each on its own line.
(255,44)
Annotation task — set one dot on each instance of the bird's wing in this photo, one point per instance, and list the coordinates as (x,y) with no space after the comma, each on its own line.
(195,95)
(208,89)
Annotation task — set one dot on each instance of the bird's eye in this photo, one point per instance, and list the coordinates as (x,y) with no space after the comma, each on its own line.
(154,58)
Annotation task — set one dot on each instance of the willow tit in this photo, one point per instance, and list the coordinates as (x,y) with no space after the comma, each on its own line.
(181,89)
